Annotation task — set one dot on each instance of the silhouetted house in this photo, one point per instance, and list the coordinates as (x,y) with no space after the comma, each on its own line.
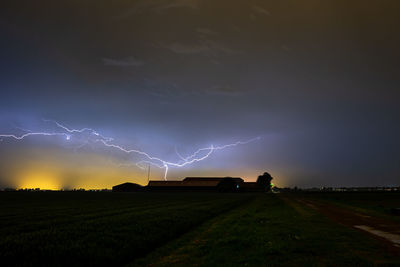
(164,186)
(230,184)
(127,187)
(221,184)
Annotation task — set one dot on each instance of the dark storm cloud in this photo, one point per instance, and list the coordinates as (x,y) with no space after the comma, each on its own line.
(126,62)
(178,3)
(261,10)
(206,31)
(225,90)
(205,47)
(143,6)
(318,80)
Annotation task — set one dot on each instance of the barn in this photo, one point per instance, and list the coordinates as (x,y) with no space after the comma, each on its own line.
(201,184)
(217,184)
(127,187)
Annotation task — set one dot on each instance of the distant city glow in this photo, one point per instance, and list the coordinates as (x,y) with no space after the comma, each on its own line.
(43,179)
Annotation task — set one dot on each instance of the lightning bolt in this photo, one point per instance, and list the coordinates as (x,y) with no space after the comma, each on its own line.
(89,130)
(33,134)
(93,136)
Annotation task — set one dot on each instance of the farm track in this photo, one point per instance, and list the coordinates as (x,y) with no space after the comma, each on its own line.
(383,229)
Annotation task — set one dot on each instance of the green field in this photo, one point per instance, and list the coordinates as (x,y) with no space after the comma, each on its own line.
(160,229)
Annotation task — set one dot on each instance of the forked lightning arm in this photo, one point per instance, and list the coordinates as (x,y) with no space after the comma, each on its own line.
(94,136)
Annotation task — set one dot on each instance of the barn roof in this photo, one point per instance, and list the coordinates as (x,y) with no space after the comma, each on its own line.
(210,182)
(236,179)
(127,187)
(127,184)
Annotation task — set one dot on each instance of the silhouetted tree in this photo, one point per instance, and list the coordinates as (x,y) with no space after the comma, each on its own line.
(264,181)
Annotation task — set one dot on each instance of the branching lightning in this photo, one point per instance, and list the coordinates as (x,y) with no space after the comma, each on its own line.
(95,137)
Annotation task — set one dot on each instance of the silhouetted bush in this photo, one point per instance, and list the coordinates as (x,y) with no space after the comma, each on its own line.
(264,181)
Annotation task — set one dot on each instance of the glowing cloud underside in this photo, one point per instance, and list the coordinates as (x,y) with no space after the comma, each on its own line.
(92,136)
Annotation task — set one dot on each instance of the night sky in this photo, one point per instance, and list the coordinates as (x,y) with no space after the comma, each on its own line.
(318,81)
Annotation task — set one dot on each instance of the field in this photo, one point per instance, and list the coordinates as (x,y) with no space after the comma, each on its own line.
(202,229)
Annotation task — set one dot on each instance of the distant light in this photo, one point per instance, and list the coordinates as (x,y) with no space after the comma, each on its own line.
(237,186)
(68,137)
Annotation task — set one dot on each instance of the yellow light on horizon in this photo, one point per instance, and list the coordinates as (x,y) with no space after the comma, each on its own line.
(42,180)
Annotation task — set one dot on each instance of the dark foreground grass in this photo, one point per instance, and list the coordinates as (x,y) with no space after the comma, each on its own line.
(202,229)
(271,230)
(82,228)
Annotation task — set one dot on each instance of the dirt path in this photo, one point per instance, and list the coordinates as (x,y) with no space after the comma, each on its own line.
(385,230)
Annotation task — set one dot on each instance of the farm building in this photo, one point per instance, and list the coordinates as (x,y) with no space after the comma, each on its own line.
(201,184)
(127,187)
(221,184)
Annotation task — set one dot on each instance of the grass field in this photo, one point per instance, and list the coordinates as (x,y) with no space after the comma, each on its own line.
(203,229)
